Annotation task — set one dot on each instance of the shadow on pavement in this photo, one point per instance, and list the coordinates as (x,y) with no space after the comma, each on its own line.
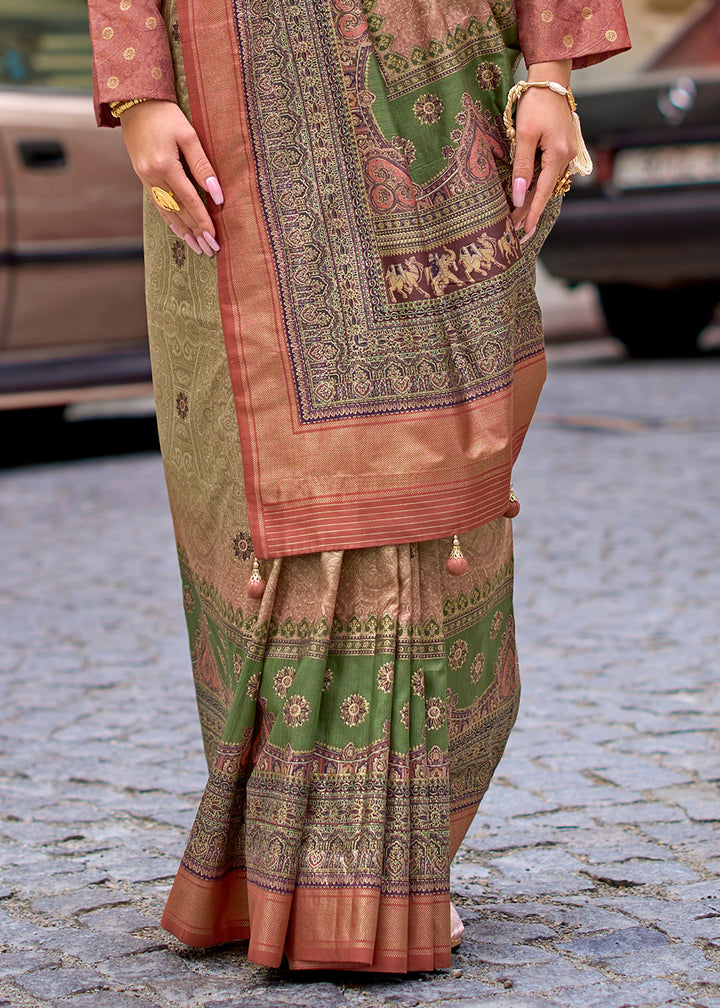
(37,436)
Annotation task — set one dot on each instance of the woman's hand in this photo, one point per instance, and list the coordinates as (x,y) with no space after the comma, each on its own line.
(543,121)
(161,142)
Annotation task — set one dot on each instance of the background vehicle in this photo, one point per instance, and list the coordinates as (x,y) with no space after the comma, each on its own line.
(72,319)
(645,225)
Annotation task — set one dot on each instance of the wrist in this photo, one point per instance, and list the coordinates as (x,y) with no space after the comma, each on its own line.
(554,70)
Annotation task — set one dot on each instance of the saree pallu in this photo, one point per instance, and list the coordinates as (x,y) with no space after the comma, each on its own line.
(353,717)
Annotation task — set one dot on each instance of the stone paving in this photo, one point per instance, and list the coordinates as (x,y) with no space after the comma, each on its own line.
(591,874)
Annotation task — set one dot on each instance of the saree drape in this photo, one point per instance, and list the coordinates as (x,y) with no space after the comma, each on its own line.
(356,370)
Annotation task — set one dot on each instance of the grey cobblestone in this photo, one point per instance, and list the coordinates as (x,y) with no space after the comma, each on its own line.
(591,875)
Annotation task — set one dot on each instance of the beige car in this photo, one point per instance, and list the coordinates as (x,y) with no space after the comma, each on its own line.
(72,318)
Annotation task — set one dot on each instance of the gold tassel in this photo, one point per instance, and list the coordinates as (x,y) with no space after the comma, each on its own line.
(456,563)
(256,585)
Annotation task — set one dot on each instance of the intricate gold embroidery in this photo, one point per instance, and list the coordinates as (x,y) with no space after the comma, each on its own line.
(354,710)
(435,713)
(283,680)
(296,711)
(458,653)
(489,76)
(428,109)
(496,625)
(418,682)
(477,667)
(386,677)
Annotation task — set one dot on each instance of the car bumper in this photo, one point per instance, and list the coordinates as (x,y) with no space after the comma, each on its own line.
(656,239)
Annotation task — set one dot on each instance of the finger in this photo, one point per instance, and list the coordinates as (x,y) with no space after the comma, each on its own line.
(200,168)
(192,209)
(544,188)
(524,166)
(199,244)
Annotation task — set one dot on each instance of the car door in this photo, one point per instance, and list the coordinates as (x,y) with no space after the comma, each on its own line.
(73,235)
(4,250)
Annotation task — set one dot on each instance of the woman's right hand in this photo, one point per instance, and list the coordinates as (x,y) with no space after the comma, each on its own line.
(160,142)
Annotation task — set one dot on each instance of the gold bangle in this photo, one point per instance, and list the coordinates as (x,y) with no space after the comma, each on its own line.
(118,107)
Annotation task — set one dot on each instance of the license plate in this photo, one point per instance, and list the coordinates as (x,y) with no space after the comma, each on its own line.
(683,164)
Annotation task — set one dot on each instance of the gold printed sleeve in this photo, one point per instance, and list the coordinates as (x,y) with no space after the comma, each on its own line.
(131,54)
(585,31)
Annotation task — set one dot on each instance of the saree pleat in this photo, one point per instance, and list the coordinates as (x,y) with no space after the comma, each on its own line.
(352,717)
(349,756)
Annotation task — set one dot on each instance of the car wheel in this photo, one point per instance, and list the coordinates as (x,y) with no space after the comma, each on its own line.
(658,322)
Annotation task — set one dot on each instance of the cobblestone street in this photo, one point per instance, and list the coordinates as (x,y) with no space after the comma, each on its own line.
(591,876)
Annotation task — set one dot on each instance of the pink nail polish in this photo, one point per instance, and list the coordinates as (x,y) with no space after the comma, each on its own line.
(528,236)
(176,231)
(518,191)
(190,239)
(204,245)
(211,241)
(213,187)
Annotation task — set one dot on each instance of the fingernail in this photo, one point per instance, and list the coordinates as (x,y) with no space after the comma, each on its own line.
(204,246)
(192,242)
(528,235)
(211,241)
(518,191)
(176,231)
(213,187)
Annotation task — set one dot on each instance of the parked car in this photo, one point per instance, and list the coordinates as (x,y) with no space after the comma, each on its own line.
(645,225)
(72,315)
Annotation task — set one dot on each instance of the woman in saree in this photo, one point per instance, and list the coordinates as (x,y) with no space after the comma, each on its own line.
(347,353)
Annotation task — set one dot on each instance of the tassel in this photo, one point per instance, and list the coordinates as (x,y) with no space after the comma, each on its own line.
(513,508)
(256,585)
(456,563)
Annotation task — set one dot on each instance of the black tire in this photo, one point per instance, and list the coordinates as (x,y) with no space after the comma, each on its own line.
(658,323)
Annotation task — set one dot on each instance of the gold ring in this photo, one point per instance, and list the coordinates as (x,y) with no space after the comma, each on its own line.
(165,199)
(563,184)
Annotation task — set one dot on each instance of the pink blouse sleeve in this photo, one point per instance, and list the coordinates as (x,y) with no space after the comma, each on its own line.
(585,32)
(131,54)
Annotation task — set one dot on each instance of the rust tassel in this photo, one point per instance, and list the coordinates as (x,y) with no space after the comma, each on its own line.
(256,585)
(456,563)
(513,508)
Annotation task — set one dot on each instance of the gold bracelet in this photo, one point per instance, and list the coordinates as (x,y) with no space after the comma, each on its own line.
(118,107)
(581,163)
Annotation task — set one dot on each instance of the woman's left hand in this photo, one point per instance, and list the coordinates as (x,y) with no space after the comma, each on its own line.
(543,121)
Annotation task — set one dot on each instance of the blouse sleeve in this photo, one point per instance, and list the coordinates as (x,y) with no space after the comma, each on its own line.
(585,32)
(131,54)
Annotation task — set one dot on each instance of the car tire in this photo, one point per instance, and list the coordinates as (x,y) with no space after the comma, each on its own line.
(658,322)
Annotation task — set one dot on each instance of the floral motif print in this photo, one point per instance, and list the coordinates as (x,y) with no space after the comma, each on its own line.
(428,109)
(405,148)
(496,625)
(386,677)
(405,715)
(477,668)
(418,682)
(188,600)
(182,405)
(354,710)
(283,680)
(458,653)
(489,76)
(242,546)
(179,253)
(253,687)
(296,711)
(327,680)
(435,713)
